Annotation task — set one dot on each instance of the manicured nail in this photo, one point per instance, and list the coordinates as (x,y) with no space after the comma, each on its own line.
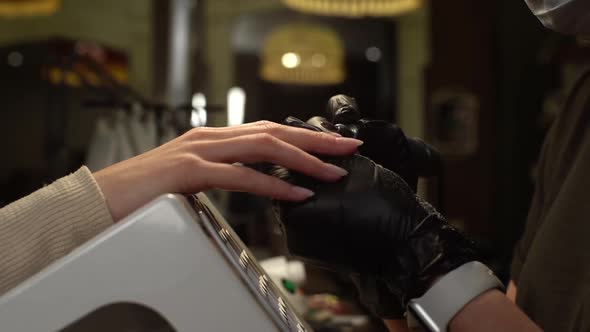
(337,170)
(301,192)
(357,142)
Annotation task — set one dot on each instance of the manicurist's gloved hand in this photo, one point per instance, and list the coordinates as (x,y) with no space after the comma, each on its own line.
(371,223)
(387,145)
(384,142)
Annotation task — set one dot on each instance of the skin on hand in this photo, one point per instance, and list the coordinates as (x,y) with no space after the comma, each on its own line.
(511,291)
(401,325)
(205,158)
(490,312)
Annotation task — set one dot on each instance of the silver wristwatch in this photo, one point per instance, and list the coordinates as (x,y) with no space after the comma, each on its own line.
(435,309)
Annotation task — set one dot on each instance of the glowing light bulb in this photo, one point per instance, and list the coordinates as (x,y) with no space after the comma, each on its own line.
(291,60)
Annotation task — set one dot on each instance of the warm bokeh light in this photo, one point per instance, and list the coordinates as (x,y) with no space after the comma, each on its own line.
(354,8)
(304,54)
(18,8)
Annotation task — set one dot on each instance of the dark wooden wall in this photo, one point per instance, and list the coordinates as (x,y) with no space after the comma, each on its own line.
(462,58)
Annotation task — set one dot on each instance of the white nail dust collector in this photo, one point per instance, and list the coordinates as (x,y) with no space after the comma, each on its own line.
(176,256)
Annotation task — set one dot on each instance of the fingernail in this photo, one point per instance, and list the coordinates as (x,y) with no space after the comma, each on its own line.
(337,170)
(358,142)
(303,193)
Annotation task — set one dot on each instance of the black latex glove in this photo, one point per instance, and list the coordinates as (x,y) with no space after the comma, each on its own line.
(371,223)
(386,144)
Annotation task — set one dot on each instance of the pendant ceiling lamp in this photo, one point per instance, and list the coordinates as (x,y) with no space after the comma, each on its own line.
(354,8)
(303,54)
(23,8)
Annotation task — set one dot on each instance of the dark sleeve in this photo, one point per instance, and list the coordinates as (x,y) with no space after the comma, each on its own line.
(536,210)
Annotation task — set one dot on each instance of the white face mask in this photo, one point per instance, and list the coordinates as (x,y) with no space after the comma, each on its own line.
(565,16)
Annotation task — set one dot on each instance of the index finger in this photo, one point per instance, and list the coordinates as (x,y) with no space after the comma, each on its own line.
(305,139)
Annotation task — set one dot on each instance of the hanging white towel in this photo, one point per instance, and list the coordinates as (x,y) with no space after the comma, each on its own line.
(102,150)
(150,131)
(168,131)
(142,130)
(124,147)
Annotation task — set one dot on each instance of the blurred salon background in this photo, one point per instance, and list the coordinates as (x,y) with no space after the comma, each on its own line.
(96,82)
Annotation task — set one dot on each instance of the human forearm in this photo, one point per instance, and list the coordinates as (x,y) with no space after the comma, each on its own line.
(49,223)
(492,311)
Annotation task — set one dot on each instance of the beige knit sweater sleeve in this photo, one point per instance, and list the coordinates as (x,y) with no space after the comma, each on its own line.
(46,225)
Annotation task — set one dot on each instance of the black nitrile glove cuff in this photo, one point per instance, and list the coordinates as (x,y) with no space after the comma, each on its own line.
(432,250)
(441,249)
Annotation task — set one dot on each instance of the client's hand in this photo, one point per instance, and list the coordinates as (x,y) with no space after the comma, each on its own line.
(371,223)
(204,158)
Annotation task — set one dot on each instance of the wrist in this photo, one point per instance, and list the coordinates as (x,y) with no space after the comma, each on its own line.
(491,311)
(128,185)
(484,301)
(434,310)
(440,249)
